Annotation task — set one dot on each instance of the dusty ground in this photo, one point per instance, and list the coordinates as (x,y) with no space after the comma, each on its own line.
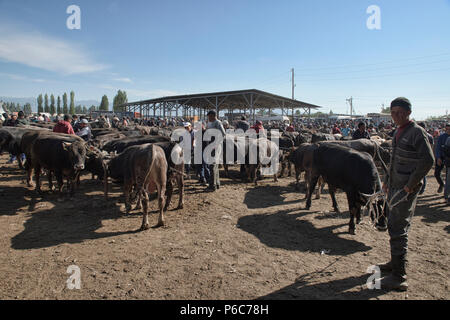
(241,242)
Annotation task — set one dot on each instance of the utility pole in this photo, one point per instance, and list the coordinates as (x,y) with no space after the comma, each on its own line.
(293,92)
(350,102)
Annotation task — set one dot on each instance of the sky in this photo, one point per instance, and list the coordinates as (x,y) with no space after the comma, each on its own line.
(160,48)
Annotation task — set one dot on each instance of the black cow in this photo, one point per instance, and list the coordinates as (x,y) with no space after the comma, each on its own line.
(350,170)
(11,137)
(317,137)
(369,146)
(63,156)
(120,145)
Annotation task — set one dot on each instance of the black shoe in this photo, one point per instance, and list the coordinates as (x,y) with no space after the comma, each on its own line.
(218,186)
(441,189)
(210,189)
(385,267)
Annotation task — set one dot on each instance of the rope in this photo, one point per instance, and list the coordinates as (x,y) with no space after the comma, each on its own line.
(177,171)
(381,195)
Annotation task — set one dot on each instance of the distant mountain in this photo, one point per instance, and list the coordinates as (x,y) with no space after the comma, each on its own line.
(33,102)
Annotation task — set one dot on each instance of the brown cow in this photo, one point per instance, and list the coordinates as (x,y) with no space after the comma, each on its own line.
(144,167)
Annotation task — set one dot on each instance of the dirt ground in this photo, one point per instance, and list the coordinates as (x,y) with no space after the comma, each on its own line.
(241,242)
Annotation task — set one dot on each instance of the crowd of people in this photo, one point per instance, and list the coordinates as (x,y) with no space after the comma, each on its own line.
(438,134)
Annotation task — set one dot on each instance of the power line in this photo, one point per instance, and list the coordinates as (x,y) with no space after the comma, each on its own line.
(375,63)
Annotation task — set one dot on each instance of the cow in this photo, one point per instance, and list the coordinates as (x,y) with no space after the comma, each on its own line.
(316,137)
(11,137)
(120,145)
(101,140)
(350,170)
(175,172)
(302,158)
(366,145)
(62,155)
(143,167)
(265,151)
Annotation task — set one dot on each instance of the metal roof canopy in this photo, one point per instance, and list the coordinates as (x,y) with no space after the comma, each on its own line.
(228,100)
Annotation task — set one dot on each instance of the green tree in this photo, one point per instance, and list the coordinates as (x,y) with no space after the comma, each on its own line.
(84,110)
(52,105)
(58,108)
(72,102)
(40,100)
(27,109)
(104,105)
(46,107)
(65,109)
(78,109)
(92,108)
(385,110)
(119,99)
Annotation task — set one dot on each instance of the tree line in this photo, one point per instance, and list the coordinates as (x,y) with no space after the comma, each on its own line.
(16,107)
(44,105)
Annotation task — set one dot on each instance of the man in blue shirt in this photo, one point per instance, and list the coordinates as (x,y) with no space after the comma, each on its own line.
(440,156)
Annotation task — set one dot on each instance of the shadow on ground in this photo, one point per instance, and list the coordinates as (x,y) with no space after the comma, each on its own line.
(336,289)
(286,230)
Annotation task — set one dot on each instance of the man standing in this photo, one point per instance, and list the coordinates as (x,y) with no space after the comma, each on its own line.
(85,130)
(214,123)
(440,158)
(12,122)
(412,158)
(22,120)
(64,126)
(243,124)
(361,133)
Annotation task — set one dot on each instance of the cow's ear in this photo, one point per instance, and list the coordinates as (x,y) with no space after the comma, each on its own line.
(91,148)
(66,145)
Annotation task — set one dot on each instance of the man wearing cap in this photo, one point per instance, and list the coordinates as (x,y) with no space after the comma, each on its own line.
(21,119)
(412,158)
(214,123)
(85,130)
(440,156)
(64,126)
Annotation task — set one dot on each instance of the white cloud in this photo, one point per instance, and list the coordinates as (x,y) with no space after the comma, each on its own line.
(127,80)
(20,77)
(40,51)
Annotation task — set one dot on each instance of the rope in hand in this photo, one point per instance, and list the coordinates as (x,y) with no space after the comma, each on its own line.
(381,195)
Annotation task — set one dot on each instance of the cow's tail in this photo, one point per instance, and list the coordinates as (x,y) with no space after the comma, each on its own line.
(147,175)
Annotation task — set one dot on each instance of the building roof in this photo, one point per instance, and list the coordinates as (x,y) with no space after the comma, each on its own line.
(241,99)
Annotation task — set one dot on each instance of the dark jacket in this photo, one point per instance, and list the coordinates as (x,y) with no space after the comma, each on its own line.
(440,146)
(412,158)
(358,135)
(242,124)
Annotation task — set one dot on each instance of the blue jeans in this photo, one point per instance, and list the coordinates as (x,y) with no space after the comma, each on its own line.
(203,171)
(422,190)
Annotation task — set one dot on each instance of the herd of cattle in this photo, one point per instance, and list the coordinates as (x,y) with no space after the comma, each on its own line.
(141,160)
